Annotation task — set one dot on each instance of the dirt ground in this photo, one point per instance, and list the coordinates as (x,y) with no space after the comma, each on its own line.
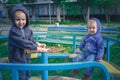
(55,49)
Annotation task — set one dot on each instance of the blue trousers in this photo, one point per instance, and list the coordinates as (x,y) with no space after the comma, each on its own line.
(86,57)
(24,75)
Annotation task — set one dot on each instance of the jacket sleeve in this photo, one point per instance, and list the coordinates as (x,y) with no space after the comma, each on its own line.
(31,38)
(82,44)
(100,47)
(17,40)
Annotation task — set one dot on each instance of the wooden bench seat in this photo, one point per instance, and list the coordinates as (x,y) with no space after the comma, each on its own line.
(55,78)
(113,69)
(63,41)
(109,30)
(57,41)
(5,59)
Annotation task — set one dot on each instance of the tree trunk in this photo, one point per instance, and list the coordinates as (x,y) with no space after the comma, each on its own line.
(83,13)
(107,17)
(63,12)
(58,14)
(33,13)
(87,14)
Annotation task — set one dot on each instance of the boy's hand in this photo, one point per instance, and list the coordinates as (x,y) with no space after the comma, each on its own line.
(77,51)
(73,55)
(39,49)
(41,45)
(99,60)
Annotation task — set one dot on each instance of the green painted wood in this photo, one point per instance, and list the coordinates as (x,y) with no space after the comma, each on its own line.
(113,69)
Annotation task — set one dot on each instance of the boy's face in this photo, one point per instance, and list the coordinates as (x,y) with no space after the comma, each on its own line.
(20,19)
(92,26)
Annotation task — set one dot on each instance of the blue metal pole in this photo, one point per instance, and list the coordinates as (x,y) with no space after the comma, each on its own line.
(44,57)
(74,43)
(108,51)
(15,74)
(0,75)
(36,36)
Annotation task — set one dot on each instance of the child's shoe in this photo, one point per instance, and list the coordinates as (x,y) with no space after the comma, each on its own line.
(86,77)
(74,72)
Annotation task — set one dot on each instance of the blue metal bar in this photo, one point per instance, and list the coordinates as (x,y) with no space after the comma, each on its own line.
(0,75)
(36,36)
(111,39)
(115,78)
(1,37)
(55,66)
(74,43)
(82,29)
(56,55)
(44,61)
(45,67)
(108,51)
(15,74)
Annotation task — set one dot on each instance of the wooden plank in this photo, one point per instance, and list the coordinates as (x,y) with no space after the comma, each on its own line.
(113,69)
(83,29)
(5,59)
(55,78)
(34,55)
(57,41)
(63,41)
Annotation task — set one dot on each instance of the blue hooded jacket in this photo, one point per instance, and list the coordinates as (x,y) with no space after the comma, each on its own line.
(93,43)
(18,42)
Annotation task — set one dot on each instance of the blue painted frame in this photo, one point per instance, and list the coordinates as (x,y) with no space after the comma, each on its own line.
(46,67)
(107,39)
(62,66)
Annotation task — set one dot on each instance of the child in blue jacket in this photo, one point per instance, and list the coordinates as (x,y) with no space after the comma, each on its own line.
(93,46)
(20,42)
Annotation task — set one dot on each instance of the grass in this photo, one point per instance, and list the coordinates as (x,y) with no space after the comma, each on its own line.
(75,22)
(3,48)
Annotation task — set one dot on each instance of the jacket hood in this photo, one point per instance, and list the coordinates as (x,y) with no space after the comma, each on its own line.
(21,8)
(98,27)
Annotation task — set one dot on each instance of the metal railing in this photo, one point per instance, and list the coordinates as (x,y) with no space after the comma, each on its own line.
(54,66)
(45,67)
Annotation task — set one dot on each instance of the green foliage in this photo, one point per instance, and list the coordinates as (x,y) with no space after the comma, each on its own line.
(87,3)
(59,2)
(118,34)
(115,53)
(107,4)
(12,1)
(72,9)
(39,22)
(73,22)
(16,1)
(3,48)
(6,75)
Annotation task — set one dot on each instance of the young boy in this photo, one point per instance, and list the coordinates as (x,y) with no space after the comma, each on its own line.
(92,45)
(20,42)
